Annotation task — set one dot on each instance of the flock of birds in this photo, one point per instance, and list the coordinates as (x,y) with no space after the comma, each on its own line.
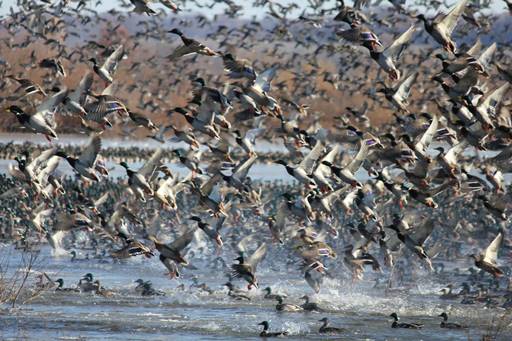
(430,184)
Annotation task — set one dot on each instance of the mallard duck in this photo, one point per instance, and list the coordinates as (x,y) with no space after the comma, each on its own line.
(26,87)
(442,26)
(280,306)
(86,283)
(142,121)
(303,171)
(325,329)
(450,325)
(397,324)
(387,58)
(238,68)
(53,64)
(145,288)
(310,306)
(236,293)
(42,121)
(106,71)
(203,122)
(398,95)
(246,268)
(141,6)
(85,165)
(414,240)
(447,294)
(211,232)
(189,47)
(139,181)
(266,333)
(259,89)
(75,101)
(102,291)
(347,173)
(171,254)
(131,249)
(270,296)
(60,287)
(487,260)
(185,136)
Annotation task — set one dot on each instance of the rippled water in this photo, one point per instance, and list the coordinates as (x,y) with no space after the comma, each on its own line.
(193,314)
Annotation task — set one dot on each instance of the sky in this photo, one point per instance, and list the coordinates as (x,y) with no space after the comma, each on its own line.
(497,5)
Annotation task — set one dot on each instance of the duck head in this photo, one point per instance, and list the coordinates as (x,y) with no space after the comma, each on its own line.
(200,82)
(394,316)
(421,17)
(15,110)
(264,324)
(88,277)
(176,31)
(444,316)
(195,218)
(93,60)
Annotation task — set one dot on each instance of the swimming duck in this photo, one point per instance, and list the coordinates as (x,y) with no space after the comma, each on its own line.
(487,260)
(60,287)
(102,291)
(442,26)
(325,329)
(447,294)
(86,283)
(266,333)
(236,293)
(310,306)
(106,71)
(145,288)
(270,296)
(450,325)
(397,324)
(280,306)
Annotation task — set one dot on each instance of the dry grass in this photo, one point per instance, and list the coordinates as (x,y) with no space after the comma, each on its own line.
(14,278)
